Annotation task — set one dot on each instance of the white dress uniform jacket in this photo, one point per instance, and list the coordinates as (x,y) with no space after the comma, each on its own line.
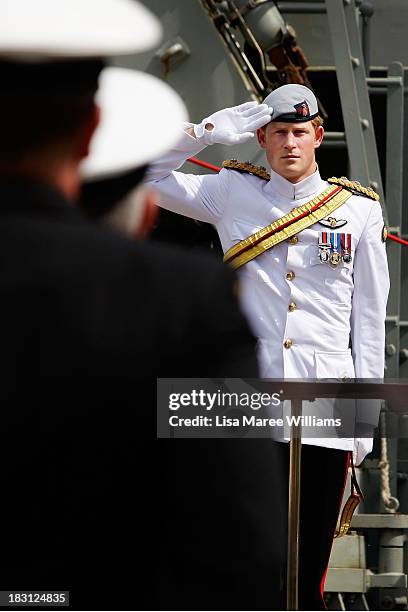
(302,310)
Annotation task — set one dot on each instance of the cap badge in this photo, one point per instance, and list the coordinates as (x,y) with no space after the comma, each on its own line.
(302,109)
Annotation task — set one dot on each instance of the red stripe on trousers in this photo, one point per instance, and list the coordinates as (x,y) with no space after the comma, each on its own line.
(341,499)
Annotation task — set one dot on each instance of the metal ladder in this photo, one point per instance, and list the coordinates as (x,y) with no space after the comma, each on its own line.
(351,76)
(353,69)
(362,148)
(352,64)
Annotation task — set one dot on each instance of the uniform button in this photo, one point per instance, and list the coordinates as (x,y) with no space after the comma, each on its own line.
(292,306)
(288,343)
(290,275)
(294,240)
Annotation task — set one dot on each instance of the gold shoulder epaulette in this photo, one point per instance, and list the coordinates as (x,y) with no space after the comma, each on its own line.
(247,167)
(355,187)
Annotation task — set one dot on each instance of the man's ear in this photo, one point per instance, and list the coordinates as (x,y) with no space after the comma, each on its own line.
(87,131)
(150,214)
(319,134)
(260,134)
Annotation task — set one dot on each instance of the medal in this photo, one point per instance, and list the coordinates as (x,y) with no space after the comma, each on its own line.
(324,255)
(335,242)
(346,247)
(324,247)
(335,258)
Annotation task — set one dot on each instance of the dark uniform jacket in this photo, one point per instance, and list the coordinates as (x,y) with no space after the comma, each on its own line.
(88,321)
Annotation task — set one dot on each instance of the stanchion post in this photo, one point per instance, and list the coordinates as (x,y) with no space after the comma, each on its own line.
(294,506)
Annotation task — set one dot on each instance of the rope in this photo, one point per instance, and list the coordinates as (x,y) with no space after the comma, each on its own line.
(397,239)
(391,503)
(203,164)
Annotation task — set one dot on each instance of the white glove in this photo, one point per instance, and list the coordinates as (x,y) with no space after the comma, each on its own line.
(362,447)
(234,125)
(368,412)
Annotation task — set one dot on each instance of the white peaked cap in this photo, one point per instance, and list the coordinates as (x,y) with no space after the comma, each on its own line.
(37,30)
(141,119)
(292,103)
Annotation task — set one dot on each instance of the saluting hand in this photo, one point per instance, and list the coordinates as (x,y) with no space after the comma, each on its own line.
(234,125)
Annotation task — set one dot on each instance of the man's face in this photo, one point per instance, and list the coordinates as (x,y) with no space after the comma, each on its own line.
(290,148)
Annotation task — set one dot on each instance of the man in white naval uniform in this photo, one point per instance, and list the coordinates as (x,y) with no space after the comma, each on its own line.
(308,294)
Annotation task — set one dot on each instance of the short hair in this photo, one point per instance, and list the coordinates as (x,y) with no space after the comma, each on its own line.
(36,124)
(317,121)
(42,106)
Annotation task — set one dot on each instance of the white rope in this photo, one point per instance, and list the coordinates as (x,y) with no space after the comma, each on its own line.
(391,503)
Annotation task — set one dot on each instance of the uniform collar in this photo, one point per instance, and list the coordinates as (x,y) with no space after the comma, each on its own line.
(296,191)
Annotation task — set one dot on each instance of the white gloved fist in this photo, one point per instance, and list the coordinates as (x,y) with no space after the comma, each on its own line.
(235,125)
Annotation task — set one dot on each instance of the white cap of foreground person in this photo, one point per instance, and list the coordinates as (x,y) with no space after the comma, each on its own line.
(140,119)
(37,30)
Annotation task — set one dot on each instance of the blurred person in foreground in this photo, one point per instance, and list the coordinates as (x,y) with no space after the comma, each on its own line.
(221,525)
(89,319)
